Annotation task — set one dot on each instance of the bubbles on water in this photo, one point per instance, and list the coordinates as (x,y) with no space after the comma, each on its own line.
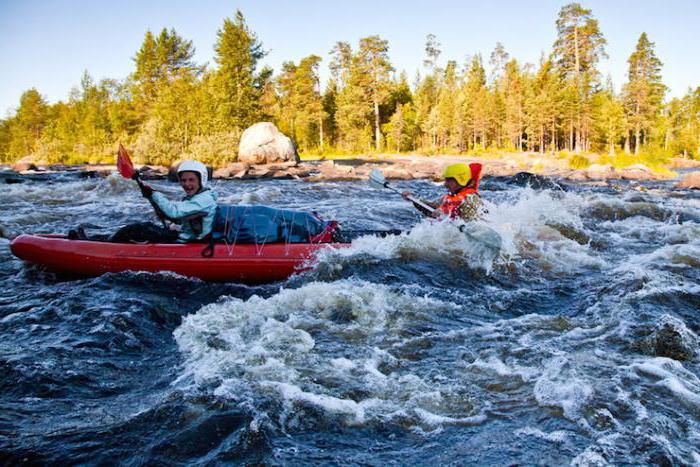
(561,386)
(545,226)
(672,375)
(557,436)
(259,195)
(478,247)
(325,345)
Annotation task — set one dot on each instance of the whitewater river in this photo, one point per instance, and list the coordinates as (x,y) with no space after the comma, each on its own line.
(578,344)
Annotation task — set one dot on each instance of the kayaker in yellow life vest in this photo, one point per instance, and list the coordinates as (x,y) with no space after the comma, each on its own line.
(462,200)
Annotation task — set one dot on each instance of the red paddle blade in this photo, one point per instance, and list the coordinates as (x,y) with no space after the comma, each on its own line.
(124,165)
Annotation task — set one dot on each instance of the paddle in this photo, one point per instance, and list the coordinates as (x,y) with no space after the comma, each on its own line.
(377,180)
(126,169)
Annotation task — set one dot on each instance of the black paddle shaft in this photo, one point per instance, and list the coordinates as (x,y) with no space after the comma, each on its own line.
(159,212)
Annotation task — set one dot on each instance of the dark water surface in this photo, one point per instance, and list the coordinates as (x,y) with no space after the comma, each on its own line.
(577,344)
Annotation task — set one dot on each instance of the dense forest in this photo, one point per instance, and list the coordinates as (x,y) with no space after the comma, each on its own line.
(170,107)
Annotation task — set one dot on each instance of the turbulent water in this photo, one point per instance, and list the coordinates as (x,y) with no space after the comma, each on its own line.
(577,344)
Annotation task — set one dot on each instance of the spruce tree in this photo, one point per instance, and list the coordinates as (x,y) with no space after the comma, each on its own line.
(237,54)
(644,91)
(147,68)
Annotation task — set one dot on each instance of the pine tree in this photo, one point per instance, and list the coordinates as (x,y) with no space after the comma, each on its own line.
(608,118)
(147,68)
(301,106)
(173,54)
(644,91)
(237,54)
(269,100)
(287,112)
(514,93)
(446,110)
(401,128)
(425,99)
(577,50)
(373,67)
(27,125)
(309,101)
(498,60)
(364,86)
(684,119)
(93,130)
(159,61)
(432,52)
(476,104)
(330,107)
(543,106)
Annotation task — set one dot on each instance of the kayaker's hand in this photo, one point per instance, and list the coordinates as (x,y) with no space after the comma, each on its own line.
(146,190)
(406,195)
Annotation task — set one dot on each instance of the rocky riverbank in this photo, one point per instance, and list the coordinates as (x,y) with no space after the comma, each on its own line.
(404,167)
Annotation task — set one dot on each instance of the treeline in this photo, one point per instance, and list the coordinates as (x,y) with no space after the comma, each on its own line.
(171,107)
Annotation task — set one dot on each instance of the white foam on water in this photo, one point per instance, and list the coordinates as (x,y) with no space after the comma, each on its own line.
(557,436)
(625,399)
(428,240)
(658,272)
(114,185)
(636,229)
(439,420)
(493,365)
(561,386)
(332,405)
(673,377)
(324,344)
(589,458)
(526,222)
(263,195)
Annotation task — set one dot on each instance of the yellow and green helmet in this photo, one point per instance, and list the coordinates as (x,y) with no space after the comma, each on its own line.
(460,172)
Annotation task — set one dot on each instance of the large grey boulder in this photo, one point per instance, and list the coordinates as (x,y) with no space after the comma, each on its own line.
(263,143)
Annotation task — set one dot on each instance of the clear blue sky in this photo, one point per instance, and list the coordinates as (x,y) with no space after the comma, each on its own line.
(47,44)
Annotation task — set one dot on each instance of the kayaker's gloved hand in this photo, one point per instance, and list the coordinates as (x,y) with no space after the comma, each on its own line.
(146,190)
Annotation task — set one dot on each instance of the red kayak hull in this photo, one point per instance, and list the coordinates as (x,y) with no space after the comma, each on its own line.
(250,264)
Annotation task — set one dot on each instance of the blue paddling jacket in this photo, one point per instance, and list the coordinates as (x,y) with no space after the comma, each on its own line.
(194,213)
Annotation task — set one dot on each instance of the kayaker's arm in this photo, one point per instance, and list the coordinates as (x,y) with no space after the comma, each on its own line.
(180,210)
(426,212)
(423,210)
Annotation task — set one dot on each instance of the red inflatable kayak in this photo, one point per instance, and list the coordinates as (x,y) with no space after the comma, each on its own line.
(252,264)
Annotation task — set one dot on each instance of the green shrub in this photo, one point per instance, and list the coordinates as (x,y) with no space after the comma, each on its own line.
(579,162)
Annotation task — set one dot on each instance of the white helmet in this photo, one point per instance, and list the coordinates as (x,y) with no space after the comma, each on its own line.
(196,167)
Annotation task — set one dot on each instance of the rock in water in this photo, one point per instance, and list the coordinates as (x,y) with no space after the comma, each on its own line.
(263,143)
(534,181)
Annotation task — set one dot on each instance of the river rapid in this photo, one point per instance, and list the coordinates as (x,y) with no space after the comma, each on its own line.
(576,344)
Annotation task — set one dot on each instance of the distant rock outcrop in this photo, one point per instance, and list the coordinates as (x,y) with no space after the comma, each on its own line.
(692,180)
(263,143)
(23,165)
(600,172)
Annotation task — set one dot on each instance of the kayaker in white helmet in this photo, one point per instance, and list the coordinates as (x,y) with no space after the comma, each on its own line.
(194,213)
